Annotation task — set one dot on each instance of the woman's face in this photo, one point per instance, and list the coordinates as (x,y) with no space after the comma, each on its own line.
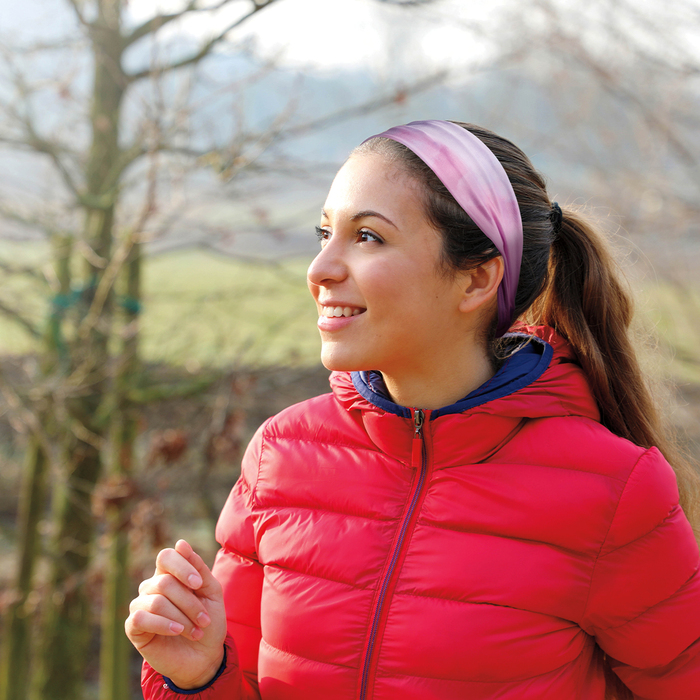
(383,302)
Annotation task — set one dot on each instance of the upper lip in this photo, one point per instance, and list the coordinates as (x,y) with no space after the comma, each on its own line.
(342,304)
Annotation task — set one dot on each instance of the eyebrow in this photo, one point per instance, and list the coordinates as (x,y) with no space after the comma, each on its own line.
(365,214)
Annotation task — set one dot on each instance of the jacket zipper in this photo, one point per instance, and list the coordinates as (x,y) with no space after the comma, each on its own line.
(418,455)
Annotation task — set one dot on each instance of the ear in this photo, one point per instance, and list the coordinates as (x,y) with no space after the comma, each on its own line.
(480,285)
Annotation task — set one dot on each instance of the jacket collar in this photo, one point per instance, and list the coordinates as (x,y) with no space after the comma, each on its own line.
(540,378)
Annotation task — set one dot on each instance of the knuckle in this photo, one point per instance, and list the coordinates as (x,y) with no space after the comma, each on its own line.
(158,604)
(163,556)
(137,619)
(167,584)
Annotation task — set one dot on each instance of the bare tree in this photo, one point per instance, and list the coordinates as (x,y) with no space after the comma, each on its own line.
(128,104)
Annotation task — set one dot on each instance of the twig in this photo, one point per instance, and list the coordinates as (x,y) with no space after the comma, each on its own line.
(204,50)
(20,319)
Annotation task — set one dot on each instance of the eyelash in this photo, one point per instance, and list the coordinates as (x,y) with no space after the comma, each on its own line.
(323,235)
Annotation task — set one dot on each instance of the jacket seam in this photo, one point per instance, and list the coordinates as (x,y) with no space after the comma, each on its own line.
(460,680)
(486,602)
(577,552)
(334,444)
(243,624)
(322,509)
(646,610)
(488,461)
(607,533)
(306,658)
(231,550)
(661,523)
(322,578)
(253,491)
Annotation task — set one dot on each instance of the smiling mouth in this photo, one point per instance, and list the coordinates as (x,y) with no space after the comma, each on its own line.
(338,311)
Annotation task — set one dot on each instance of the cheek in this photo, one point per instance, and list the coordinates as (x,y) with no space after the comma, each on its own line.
(389,284)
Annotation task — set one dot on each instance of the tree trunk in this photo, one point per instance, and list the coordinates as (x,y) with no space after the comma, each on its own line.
(14,675)
(115,648)
(66,628)
(16,657)
(67,622)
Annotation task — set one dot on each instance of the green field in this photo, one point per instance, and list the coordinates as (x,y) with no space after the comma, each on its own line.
(201,309)
(670,314)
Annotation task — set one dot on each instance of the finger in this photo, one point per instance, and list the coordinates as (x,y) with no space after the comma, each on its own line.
(162,607)
(169,561)
(179,595)
(142,623)
(209,585)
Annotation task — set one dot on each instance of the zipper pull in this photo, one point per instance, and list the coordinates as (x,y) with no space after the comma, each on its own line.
(418,418)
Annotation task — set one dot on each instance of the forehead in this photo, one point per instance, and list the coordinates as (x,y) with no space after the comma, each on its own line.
(373,181)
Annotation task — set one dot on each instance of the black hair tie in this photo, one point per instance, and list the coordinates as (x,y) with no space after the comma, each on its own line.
(556,217)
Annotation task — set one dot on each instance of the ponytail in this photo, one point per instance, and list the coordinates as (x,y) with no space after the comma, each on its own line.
(587,302)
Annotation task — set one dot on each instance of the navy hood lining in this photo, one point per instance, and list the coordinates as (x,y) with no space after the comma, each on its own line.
(532,356)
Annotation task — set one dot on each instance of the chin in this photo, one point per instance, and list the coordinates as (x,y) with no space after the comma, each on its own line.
(342,361)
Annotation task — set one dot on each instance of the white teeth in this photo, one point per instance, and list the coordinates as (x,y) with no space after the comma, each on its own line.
(338,311)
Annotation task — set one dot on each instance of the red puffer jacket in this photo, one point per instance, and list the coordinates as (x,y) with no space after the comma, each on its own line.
(496,548)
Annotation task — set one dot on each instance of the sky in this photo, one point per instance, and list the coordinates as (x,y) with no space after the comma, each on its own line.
(332,34)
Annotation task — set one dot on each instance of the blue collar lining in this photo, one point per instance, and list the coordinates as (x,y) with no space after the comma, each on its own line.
(524,365)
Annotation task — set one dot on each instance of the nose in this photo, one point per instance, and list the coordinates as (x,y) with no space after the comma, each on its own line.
(328,266)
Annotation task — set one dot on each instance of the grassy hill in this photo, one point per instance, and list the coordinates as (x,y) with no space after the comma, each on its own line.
(201,310)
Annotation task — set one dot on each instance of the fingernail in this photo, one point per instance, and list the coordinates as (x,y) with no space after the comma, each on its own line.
(194,580)
(203,619)
(176,627)
(197,633)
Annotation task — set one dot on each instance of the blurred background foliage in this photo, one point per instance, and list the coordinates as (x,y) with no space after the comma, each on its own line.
(162,165)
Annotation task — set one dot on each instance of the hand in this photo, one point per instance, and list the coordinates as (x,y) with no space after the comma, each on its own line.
(178,621)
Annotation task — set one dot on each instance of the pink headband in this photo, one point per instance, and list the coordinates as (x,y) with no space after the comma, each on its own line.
(481,187)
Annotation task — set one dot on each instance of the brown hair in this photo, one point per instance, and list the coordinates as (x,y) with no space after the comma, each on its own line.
(569,280)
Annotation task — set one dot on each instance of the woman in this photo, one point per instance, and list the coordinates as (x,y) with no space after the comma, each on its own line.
(471,513)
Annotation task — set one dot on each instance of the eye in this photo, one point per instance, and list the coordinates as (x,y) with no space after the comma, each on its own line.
(322,234)
(366,236)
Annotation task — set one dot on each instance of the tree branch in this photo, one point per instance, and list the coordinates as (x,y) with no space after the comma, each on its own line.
(43,146)
(37,144)
(75,4)
(32,141)
(20,319)
(20,270)
(407,3)
(205,50)
(31,222)
(27,418)
(364,108)
(154,24)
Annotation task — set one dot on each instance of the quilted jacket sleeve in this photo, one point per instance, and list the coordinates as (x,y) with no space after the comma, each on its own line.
(241,576)
(644,602)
